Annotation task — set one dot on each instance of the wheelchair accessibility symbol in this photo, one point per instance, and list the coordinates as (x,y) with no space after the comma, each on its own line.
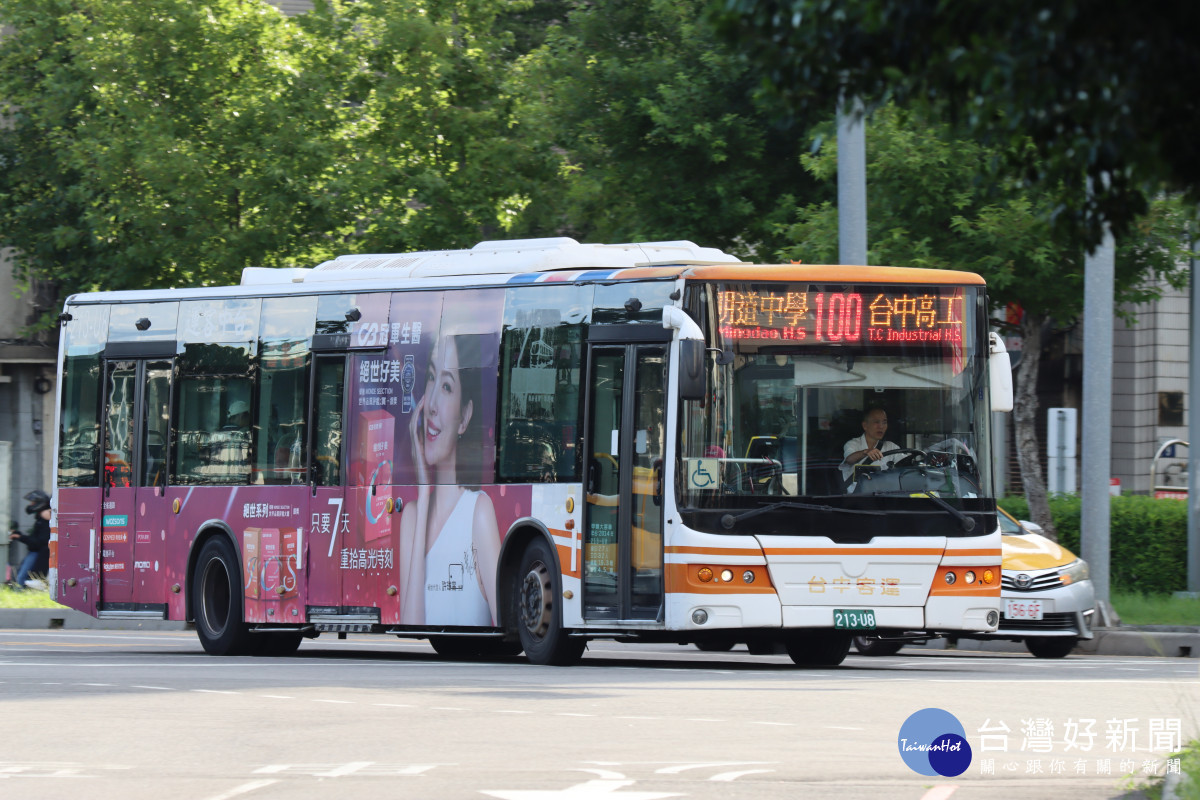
(703,473)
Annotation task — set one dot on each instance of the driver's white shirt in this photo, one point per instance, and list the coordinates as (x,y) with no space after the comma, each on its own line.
(860,443)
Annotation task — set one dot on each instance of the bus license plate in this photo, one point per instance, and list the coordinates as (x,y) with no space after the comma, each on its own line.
(854,619)
(1023,609)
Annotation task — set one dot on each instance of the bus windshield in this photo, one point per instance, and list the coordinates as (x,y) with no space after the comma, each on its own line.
(802,375)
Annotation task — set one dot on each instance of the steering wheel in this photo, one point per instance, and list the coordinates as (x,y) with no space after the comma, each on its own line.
(915,457)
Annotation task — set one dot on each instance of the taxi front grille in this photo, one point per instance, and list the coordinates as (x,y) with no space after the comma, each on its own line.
(1038,582)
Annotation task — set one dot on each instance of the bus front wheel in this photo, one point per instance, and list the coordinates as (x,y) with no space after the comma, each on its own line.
(217,600)
(818,648)
(538,611)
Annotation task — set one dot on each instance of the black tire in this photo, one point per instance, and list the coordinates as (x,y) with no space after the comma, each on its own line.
(1051,646)
(715,645)
(818,648)
(537,611)
(473,648)
(871,646)
(276,644)
(217,600)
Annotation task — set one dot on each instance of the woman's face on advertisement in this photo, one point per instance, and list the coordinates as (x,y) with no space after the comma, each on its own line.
(446,415)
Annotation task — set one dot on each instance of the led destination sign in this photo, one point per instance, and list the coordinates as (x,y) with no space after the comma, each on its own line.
(871,315)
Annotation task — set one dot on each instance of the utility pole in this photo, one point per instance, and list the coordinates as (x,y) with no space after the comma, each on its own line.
(852,183)
(1097,416)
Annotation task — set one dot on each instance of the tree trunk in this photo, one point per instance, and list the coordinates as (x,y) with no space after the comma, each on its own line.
(1025,411)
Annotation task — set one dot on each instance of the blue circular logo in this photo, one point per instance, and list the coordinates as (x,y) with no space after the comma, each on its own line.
(933,742)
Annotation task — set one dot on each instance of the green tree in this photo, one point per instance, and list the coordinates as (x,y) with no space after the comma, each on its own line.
(1099,91)
(170,143)
(930,205)
(652,130)
(435,157)
(158,142)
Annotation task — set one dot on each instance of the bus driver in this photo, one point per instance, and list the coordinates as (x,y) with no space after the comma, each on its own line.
(869,447)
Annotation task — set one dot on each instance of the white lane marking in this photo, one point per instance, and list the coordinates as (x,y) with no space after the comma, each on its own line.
(639,717)
(339,702)
(393,705)
(345,769)
(506,710)
(245,788)
(702,719)
(157,688)
(606,774)
(581,791)
(939,792)
(277,696)
(678,768)
(93,684)
(214,691)
(733,776)
(570,714)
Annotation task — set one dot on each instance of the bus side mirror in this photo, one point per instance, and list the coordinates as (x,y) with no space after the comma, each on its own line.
(999,374)
(692,383)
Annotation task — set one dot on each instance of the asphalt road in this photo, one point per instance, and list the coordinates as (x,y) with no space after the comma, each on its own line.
(128,715)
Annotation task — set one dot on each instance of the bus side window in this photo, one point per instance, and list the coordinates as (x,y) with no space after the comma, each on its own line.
(329,388)
(211,442)
(540,354)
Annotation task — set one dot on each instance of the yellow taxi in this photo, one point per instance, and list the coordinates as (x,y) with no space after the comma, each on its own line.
(1047,598)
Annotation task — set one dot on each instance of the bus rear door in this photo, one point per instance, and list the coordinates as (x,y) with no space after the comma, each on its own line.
(622,547)
(330,517)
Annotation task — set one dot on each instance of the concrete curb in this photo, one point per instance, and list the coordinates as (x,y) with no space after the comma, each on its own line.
(1151,640)
(51,618)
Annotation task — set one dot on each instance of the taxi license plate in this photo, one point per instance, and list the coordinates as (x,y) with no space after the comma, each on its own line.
(854,619)
(1023,609)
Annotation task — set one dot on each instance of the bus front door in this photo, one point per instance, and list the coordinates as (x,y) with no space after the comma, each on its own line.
(622,545)
(135,515)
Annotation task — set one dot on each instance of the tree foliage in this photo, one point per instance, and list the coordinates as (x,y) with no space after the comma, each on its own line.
(165,142)
(653,130)
(1099,91)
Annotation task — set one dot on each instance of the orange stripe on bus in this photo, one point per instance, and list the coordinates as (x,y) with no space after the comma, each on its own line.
(980,553)
(845,551)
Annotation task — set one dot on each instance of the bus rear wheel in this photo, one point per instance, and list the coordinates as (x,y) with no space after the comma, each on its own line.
(538,612)
(818,648)
(217,600)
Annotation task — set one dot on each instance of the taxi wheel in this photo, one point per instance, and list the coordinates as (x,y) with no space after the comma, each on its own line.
(1051,646)
(871,646)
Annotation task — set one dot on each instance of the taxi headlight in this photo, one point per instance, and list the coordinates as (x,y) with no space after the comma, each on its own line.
(1074,572)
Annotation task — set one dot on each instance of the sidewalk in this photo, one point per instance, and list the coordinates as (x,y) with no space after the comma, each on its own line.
(1149,640)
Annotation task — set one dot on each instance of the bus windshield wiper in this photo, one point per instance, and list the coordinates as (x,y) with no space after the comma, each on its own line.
(966,522)
(729,520)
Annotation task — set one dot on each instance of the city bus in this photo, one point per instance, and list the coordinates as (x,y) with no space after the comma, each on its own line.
(527,445)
